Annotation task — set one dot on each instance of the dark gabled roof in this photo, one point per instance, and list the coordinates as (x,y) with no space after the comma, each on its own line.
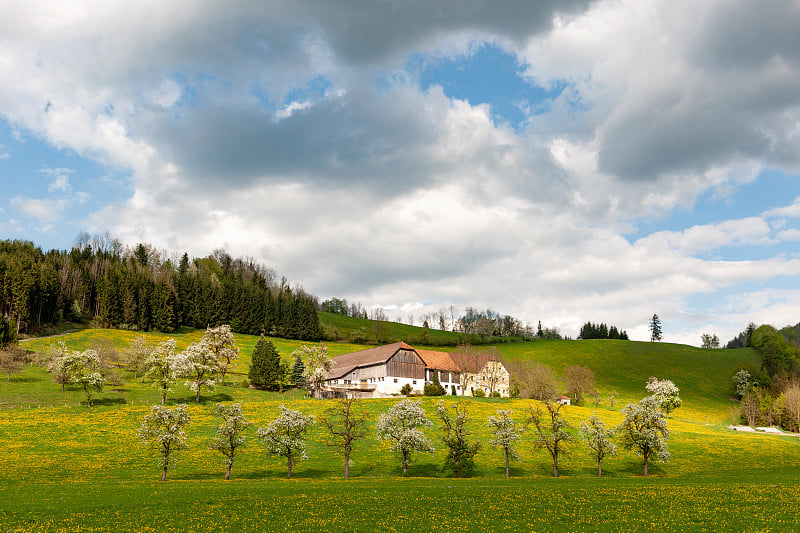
(344,363)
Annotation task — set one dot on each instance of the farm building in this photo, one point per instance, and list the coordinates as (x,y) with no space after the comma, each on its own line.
(491,378)
(384,370)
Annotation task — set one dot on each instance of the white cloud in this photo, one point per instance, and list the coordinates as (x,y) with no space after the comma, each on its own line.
(43,210)
(398,196)
(789,211)
(748,231)
(60,184)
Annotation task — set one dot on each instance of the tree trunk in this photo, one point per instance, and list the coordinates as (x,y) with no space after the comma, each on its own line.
(88,396)
(599,469)
(645,466)
(62,386)
(405,463)
(166,465)
(197,396)
(164,395)
(555,464)
(228,471)
(347,466)
(289,468)
(506,464)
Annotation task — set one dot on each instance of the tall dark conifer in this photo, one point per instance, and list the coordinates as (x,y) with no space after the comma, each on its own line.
(265,368)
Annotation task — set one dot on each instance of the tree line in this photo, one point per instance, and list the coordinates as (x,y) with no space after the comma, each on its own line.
(601,331)
(643,431)
(99,280)
(769,394)
(483,325)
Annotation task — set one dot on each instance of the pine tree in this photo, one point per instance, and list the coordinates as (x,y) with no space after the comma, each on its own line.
(265,368)
(298,369)
(655,328)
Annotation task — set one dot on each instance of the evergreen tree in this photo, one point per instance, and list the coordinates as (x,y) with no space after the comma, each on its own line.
(265,368)
(655,328)
(298,369)
(435,388)
(8,331)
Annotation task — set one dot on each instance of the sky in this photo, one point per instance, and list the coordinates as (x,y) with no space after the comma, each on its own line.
(559,161)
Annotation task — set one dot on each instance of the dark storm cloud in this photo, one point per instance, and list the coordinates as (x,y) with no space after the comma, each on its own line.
(735,97)
(369,31)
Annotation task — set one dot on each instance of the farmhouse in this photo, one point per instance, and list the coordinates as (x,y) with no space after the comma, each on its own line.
(449,373)
(384,370)
(491,378)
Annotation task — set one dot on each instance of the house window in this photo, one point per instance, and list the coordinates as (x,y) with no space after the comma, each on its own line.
(415,382)
(395,380)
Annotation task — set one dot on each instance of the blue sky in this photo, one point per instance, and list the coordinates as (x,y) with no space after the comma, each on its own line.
(35,170)
(578,161)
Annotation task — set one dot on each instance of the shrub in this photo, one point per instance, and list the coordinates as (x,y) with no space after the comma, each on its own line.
(430,389)
(478,393)
(495,394)
(435,388)
(405,390)
(245,384)
(358,336)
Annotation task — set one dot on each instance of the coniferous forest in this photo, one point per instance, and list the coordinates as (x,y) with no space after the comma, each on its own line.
(98,280)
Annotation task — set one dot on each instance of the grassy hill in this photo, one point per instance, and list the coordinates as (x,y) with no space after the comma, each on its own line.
(70,467)
(703,376)
(368,331)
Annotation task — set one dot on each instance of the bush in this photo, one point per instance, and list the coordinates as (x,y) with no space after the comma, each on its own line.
(331,333)
(495,394)
(431,389)
(478,393)
(358,336)
(405,390)
(435,388)
(245,384)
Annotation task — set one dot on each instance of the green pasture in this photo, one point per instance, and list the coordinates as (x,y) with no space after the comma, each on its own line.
(67,467)
(345,325)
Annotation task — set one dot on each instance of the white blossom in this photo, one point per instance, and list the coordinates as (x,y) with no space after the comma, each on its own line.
(82,368)
(505,433)
(222,343)
(742,382)
(162,430)
(317,364)
(645,431)
(400,425)
(285,436)
(598,438)
(162,367)
(198,363)
(228,437)
(665,393)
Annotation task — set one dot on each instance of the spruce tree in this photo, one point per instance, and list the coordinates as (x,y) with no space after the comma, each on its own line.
(265,368)
(298,368)
(655,328)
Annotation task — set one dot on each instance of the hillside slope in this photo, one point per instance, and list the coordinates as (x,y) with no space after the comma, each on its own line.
(703,376)
(622,366)
(368,330)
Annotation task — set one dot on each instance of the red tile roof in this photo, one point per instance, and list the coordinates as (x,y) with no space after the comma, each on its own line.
(438,360)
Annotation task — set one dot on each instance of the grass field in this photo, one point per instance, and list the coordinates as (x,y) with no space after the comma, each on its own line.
(73,468)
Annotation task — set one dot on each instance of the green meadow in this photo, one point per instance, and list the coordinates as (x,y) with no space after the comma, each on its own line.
(67,467)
